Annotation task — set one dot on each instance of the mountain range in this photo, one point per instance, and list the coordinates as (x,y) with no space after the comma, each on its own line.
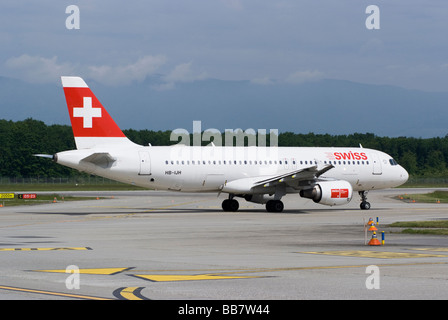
(324,106)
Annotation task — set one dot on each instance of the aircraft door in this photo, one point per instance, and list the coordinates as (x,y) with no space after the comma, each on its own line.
(377,169)
(145,163)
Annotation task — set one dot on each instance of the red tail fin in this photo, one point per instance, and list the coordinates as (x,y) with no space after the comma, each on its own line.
(91,123)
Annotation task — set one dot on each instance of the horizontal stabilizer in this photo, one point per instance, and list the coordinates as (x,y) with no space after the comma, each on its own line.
(49,156)
(102,159)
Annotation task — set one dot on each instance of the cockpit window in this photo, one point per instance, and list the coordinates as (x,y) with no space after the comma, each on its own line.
(393,162)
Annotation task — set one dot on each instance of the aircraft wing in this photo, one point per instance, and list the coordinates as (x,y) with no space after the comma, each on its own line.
(291,178)
(309,173)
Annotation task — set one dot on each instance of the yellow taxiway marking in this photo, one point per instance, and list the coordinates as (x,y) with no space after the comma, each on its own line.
(44,249)
(129,293)
(52,293)
(378,254)
(177,277)
(432,249)
(101,271)
(220,275)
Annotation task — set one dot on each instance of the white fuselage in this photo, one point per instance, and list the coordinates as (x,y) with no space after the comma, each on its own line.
(207,169)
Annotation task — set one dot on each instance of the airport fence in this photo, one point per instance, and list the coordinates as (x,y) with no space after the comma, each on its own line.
(86,180)
(75,180)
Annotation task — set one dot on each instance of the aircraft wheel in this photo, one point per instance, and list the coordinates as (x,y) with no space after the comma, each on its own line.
(365,205)
(230,205)
(274,206)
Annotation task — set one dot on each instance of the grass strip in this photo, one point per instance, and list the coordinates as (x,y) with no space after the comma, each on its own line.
(20,187)
(436,227)
(432,197)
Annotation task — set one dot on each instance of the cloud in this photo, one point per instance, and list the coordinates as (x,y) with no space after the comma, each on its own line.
(299,77)
(262,81)
(124,75)
(182,73)
(38,69)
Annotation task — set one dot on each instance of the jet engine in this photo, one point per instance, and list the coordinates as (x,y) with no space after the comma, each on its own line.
(330,193)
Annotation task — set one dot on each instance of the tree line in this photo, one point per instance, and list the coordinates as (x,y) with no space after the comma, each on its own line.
(21,139)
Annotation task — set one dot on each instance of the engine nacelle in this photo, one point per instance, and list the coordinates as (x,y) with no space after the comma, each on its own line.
(330,193)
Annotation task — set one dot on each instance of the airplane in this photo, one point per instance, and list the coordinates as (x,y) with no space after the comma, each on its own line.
(259,174)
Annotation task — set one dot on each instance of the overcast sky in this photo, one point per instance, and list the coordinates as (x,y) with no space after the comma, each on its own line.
(263,41)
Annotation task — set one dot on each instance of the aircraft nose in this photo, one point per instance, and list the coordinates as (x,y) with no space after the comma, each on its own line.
(404,175)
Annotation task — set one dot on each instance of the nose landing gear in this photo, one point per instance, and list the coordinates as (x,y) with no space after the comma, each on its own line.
(364,204)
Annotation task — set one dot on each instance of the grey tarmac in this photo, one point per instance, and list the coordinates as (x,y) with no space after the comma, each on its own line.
(165,245)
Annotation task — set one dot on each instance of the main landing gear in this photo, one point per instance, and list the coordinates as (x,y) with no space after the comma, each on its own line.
(232,205)
(274,206)
(364,204)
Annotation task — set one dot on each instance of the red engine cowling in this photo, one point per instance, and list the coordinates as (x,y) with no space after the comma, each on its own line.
(330,193)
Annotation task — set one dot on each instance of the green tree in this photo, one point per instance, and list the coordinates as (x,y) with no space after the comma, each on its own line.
(409,162)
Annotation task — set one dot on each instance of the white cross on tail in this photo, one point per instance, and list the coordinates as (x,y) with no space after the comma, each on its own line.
(87,112)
